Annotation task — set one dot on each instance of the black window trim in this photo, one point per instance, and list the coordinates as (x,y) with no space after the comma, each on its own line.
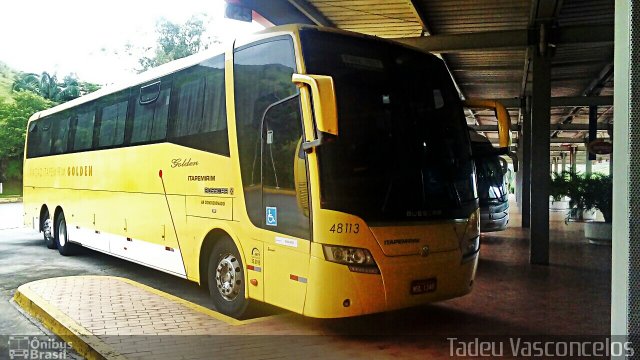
(132,96)
(173,105)
(165,82)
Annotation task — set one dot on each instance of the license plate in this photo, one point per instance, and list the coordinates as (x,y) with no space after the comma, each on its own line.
(423,286)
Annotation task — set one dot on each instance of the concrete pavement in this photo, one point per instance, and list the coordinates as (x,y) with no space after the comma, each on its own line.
(11,215)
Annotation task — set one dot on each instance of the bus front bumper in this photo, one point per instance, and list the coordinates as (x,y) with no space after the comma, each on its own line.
(335,291)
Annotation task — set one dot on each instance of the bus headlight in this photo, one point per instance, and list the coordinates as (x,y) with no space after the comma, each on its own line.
(358,260)
(470,243)
(470,246)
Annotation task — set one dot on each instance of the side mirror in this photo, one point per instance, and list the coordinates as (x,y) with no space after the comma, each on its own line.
(324,103)
(300,178)
(504,120)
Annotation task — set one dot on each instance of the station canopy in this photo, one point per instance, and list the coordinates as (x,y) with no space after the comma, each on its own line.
(487,46)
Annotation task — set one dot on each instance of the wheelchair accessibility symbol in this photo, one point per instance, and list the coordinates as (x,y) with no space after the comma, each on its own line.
(272,216)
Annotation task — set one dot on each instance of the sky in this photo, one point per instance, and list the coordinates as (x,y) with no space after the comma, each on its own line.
(89,37)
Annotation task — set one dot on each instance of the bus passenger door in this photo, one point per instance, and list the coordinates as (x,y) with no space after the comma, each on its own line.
(285,204)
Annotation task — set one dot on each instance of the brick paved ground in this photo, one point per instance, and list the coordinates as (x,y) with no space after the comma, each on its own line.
(571,296)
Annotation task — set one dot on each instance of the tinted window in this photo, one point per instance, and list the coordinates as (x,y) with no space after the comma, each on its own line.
(150,115)
(112,123)
(83,138)
(284,189)
(403,151)
(39,138)
(491,183)
(262,76)
(59,133)
(199,111)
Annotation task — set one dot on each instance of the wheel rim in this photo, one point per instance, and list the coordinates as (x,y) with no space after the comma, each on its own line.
(62,233)
(229,277)
(46,228)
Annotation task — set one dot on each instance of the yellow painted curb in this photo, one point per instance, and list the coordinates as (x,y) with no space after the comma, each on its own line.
(80,339)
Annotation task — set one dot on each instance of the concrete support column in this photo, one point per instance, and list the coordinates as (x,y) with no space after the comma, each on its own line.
(525,169)
(519,186)
(574,159)
(540,149)
(593,128)
(593,134)
(564,161)
(625,284)
(611,162)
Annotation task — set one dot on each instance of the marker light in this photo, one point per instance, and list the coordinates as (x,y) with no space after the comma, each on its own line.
(470,243)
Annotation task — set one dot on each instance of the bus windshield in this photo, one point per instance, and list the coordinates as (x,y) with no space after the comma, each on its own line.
(491,180)
(402,152)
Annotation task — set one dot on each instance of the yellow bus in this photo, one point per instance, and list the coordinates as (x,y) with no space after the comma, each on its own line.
(321,171)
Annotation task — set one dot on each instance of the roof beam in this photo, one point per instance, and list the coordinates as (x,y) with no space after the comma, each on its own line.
(470,41)
(278,12)
(311,12)
(508,39)
(553,141)
(564,101)
(421,18)
(594,88)
(554,127)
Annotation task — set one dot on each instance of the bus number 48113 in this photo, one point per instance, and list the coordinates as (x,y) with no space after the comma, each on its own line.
(346,228)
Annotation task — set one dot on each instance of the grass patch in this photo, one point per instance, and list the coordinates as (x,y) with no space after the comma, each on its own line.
(11,189)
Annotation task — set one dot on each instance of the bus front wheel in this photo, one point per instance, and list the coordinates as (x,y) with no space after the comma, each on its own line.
(226,279)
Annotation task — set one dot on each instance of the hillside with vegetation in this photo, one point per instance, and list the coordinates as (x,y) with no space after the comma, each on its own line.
(7,77)
(22,95)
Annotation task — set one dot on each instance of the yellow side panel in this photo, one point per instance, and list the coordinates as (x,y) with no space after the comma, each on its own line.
(286,272)
(210,207)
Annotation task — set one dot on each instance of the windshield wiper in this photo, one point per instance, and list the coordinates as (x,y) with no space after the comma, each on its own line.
(454,190)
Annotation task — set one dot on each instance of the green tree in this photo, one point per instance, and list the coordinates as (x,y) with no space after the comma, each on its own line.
(13,121)
(175,41)
(27,81)
(13,126)
(48,86)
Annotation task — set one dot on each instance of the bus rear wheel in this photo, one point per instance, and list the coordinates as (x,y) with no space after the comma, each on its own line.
(47,229)
(226,279)
(65,248)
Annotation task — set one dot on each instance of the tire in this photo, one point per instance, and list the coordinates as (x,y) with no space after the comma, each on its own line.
(47,230)
(65,248)
(226,279)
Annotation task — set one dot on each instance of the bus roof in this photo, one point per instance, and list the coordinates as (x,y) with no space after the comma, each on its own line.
(159,71)
(177,65)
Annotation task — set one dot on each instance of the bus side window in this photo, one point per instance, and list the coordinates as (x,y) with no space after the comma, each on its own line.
(262,77)
(37,131)
(83,138)
(198,108)
(60,133)
(282,131)
(151,112)
(113,120)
